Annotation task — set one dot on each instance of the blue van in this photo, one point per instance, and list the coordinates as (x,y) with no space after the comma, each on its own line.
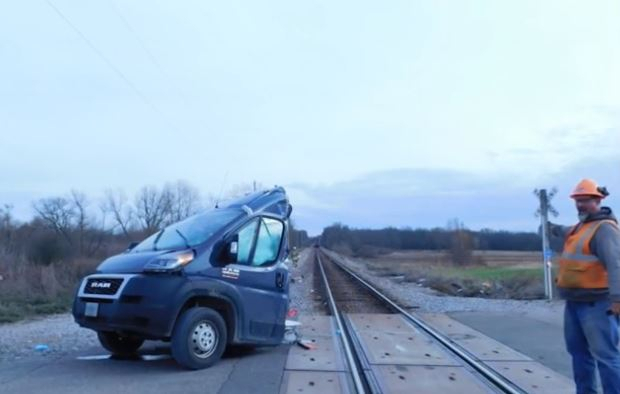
(217,278)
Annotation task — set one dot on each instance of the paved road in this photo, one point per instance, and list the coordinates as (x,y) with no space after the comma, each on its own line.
(92,371)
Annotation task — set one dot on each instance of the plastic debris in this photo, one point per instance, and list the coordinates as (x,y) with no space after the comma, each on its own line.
(292,313)
(308,345)
(41,348)
(291,323)
(290,337)
(290,331)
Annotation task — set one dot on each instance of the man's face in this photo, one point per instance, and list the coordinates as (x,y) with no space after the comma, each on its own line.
(587,205)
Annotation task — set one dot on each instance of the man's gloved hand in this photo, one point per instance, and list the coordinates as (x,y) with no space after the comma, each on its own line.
(557,230)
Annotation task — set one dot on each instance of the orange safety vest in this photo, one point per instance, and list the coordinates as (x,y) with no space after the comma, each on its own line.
(579,268)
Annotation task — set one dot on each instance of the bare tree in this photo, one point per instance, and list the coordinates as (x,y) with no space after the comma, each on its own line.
(6,227)
(6,216)
(115,202)
(69,217)
(80,203)
(58,213)
(95,234)
(184,200)
(152,207)
(461,243)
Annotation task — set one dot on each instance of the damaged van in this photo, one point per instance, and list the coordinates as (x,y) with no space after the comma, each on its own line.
(215,279)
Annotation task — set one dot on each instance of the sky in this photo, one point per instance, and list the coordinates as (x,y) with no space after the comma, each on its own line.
(401,113)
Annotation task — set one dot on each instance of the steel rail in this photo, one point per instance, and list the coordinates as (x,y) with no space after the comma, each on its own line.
(488,373)
(355,373)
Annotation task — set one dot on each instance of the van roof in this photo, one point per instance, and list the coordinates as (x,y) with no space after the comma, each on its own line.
(273,201)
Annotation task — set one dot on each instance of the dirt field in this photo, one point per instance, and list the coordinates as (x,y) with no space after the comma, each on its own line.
(494,274)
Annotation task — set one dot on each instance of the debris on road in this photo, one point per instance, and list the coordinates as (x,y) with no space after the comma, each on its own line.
(308,345)
(290,331)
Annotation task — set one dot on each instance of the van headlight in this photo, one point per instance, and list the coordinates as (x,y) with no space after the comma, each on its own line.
(170,261)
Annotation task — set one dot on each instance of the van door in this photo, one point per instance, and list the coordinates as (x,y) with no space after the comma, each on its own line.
(262,279)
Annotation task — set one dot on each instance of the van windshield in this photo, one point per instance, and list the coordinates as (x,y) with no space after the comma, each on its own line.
(189,232)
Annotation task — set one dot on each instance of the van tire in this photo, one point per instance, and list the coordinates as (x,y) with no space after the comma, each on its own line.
(199,338)
(120,345)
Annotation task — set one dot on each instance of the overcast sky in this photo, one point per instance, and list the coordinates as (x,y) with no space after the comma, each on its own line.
(372,113)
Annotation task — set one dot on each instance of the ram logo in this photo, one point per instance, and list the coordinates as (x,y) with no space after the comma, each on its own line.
(101,285)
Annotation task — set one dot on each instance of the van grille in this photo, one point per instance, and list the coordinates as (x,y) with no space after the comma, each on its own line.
(103,286)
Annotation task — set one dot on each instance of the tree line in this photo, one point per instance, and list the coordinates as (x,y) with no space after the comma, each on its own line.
(75,225)
(454,237)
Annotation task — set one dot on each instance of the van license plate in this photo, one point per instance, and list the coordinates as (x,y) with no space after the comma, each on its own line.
(91,309)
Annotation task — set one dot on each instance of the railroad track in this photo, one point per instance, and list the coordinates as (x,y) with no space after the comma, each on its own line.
(385,346)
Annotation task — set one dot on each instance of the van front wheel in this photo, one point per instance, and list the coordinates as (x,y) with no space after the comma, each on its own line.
(199,338)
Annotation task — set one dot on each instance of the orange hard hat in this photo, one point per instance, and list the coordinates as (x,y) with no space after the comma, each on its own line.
(587,187)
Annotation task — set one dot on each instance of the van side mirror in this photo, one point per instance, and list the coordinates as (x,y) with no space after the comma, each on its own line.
(233,249)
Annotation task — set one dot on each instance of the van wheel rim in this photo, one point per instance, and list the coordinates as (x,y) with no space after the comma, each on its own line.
(204,339)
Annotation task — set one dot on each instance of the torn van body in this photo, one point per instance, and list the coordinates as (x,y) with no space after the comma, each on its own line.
(215,279)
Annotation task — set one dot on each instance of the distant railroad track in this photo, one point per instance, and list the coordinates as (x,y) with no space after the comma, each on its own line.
(347,293)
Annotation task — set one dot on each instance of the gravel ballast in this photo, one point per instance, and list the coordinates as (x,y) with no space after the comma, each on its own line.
(422,299)
(303,295)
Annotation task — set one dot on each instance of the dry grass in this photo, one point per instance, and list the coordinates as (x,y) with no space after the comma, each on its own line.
(480,257)
(28,289)
(516,275)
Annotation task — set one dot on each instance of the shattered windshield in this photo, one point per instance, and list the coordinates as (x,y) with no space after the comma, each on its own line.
(189,232)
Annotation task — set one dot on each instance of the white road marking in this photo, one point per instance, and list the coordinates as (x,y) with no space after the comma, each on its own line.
(144,357)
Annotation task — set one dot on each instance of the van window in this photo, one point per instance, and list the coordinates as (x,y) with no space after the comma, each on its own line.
(189,232)
(246,242)
(268,242)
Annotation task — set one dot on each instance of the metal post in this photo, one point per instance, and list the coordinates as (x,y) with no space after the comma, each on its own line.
(544,211)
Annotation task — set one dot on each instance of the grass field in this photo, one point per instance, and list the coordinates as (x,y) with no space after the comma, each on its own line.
(501,274)
(12,310)
(28,289)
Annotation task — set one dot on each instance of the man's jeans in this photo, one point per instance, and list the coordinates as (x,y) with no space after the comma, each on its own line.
(592,340)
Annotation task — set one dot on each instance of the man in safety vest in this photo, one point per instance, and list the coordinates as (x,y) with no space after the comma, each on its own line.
(589,280)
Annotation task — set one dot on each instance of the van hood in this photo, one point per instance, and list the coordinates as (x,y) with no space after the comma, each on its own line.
(129,263)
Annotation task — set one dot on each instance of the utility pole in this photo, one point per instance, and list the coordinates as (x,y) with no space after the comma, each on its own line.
(543,212)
